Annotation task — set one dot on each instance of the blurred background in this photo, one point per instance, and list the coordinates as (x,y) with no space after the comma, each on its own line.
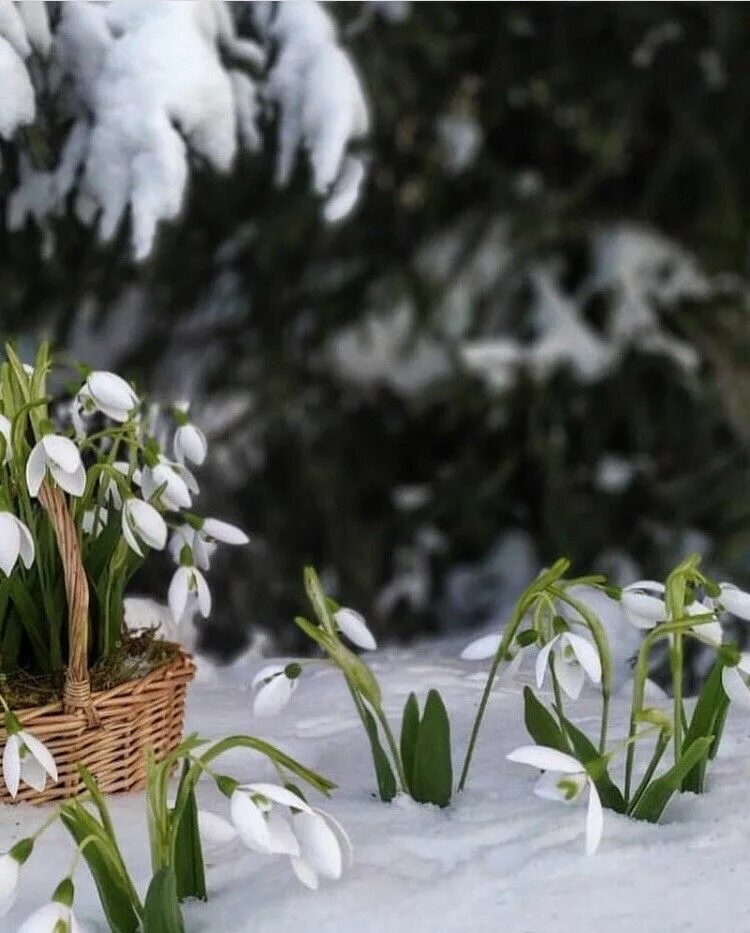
(531,339)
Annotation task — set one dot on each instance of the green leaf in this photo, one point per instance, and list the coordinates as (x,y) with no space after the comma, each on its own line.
(409,733)
(30,618)
(541,725)
(317,597)
(383,771)
(161,911)
(708,719)
(596,765)
(657,795)
(190,875)
(433,773)
(117,900)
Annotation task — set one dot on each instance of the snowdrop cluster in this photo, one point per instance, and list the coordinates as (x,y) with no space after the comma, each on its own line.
(128,494)
(572,648)
(144,86)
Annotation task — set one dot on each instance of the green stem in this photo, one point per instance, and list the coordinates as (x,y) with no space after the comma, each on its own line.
(661,746)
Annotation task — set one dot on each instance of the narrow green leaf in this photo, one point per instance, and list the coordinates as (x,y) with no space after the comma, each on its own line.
(161,910)
(383,771)
(657,795)
(409,733)
(708,718)
(540,723)
(588,753)
(317,597)
(433,772)
(190,875)
(30,618)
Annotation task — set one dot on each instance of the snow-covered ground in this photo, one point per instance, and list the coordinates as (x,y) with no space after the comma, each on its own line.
(497,859)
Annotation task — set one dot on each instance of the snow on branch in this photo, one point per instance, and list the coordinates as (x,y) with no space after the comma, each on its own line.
(137,90)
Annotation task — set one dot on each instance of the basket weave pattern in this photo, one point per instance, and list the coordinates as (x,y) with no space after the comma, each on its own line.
(108,731)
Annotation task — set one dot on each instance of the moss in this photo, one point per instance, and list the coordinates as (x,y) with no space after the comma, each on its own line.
(131,659)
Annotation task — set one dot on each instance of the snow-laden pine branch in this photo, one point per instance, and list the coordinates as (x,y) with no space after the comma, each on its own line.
(135,90)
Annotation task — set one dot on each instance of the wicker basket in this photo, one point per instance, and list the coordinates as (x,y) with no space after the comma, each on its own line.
(110,730)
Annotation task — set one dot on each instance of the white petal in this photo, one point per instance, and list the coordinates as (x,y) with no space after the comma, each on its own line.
(202,552)
(127,532)
(345,843)
(734,687)
(62,452)
(569,675)
(594,820)
(224,532)
(12,764)
(10,542)
(587,655)
(305,873)
(204,593)
(655,585)
(269,670)
(545,758)
(40,751)
(5,431)
(638,621)
(190,443)
(736,601)
(644,606)
(711,630)
(274,696)
(542,659)
(111,394)
(72,483)
(33,774)
(176,495)
(214,829)
(178,592)
(744,663)
(278,794)
(36,469)
(283,840)
(482,648)
(45,919)
(352,624)
(27,544)
(318,844)
(250,823)
(548,786)
(148,523)
(8,880)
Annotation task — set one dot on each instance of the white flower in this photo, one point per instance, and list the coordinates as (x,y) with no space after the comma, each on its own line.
(188,584)
(734,679)
(112,490)
(190,444)
(565,778)
(99,516)
(574,656)
(176,492)
(15,542)
(352,624)
(324,847)
(5,431)
(735,600)
(710,629)
(61,457)
(642,603)
(186,536)
(275,684)
(140,520)
(214,529)
(25,759)
(52,918)
(481,649)
(215,831)
(110,394)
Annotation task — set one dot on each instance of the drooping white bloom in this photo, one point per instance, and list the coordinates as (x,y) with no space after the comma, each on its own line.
(734,679)
(60,456)
(643,603)
(352,624)
(176,492)
(274,685)
(52,918)
(188,585)
(215,831)
(186,536)
(110,394)
(214,529)
(15,541)
(190,444)
(574,657)
(481,649)
(735,600)
(564,779)
(259,824)
(5,432)
(141,522)
(26,759)
(710,628)
(324,847)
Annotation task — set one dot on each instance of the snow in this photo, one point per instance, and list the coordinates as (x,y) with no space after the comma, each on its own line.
(498,858)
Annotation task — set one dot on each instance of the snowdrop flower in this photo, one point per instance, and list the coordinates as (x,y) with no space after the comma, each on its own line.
(202,541)
(735,600)
(214,529)
(352,624)
(90,517)
(109,394)
(710,630)
(5,432)
(275,684)
(643,604)
(215,831)
(10,865)
(481,649)
(25,759)
(188,583)
(55,917)
(574,657)
(61,457)
(141,521)
(190,444)
(324,847)
(564,779)
(112,491)
(734,679)
(15,542)
(176,493)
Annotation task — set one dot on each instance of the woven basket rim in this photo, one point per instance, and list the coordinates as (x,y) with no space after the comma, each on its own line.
(182,661)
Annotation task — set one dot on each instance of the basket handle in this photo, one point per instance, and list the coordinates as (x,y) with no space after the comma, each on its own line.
(77,690)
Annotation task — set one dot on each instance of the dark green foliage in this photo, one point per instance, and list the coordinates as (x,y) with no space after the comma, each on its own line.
(190,877)
(426,750)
